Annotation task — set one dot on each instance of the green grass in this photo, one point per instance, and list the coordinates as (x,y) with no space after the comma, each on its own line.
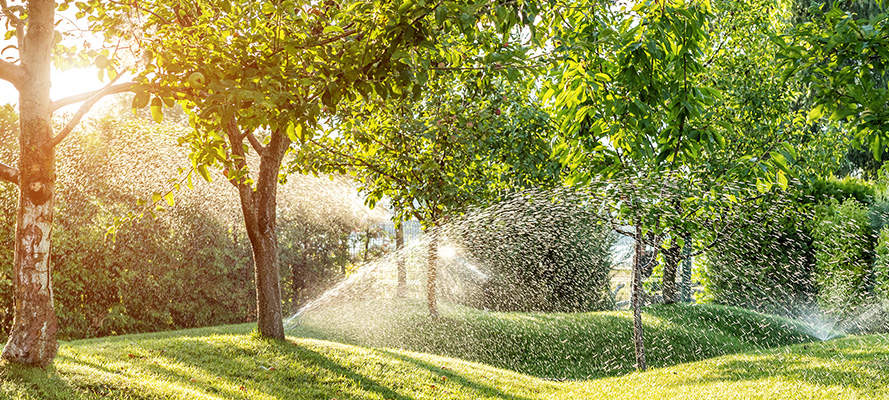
(556,346)
(230,363)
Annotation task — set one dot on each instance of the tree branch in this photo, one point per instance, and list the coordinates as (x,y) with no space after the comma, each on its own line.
(9,174)
(12,73)
(85,107)
(254,141)
(98,94)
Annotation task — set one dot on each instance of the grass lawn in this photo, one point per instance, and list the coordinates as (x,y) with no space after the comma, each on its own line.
(229,362)
(555,346)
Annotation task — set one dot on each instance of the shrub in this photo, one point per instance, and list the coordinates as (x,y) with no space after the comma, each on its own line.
(540,254)
(843,255)
(188,267)
(766,264)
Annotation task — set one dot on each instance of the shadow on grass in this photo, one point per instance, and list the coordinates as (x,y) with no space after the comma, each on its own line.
(481,389)
(853,362)
(233,367)
(31,382)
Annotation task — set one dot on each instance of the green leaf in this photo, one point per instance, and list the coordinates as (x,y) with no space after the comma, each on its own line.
(291,133)
(782,179)
(333,29)
(202,169)
(762,186)
(157,107)
(140,100)
(815,113)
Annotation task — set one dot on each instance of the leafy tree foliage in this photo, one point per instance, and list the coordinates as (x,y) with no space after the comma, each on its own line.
(842,59)
(461,146)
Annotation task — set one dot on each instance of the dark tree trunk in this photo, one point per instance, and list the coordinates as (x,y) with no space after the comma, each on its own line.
(672,257)
(637,299)
(298,280)
(259,206)
(432,273)
(686,269)
(32,339)
(401,288)
(366,244)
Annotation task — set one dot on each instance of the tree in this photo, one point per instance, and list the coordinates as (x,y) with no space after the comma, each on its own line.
(462,145)
(288,64)
(32,339)
(843,61)
(631,104)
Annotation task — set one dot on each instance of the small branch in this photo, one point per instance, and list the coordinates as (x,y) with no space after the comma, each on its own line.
(254,141)
(495,67)
(343,35)
(107,90)
(9,174)
(12,73)
(85,107)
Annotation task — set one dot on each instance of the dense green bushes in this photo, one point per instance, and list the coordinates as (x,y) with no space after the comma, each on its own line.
(843,246)
(540,254)
(816,247)
(767,264)
(191,266)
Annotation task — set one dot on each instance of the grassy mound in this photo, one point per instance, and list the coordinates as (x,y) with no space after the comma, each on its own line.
(229,363)
(554,346)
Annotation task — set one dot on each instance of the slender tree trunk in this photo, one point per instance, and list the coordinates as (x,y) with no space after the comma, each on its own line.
(686,270)
(401,288)
(637,300)
(32,339)
(366,245)
(298,280)
(671,264)
(259,206)
(432,273)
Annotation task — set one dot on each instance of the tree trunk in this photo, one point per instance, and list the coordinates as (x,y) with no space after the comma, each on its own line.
(686,270)
(298,280)
(432,273)
(259,206)
(672,257)
(32,339)
(401,288)
(367,245)
(637,299)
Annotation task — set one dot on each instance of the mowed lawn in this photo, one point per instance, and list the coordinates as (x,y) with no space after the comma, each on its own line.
(230,362)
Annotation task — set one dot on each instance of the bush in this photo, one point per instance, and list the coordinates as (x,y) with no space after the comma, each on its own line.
(188,267)
(540,254)
(821,191)
(881,265)
(843,255)
(767,264)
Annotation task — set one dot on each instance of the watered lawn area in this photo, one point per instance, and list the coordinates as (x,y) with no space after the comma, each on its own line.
(555,346)
(846,368)
(229,363)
